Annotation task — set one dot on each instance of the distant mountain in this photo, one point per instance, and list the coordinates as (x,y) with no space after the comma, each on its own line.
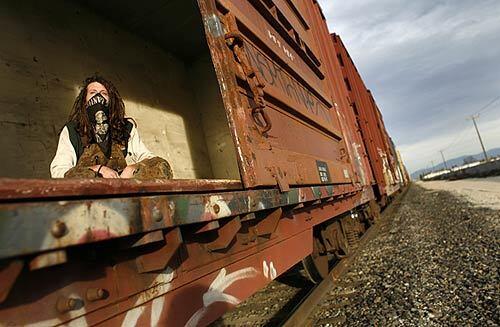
(456,162)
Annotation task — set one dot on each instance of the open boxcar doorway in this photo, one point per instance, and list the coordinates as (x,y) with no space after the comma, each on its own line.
(155,53)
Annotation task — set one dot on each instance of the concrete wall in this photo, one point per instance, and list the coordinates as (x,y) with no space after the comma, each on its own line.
(218,137)
(45,53)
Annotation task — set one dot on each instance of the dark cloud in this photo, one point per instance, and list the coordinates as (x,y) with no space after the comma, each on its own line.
(429,63)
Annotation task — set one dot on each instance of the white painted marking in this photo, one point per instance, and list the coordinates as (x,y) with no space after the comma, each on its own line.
(162,285)
(132,317)
(215,292)
(81,219)
(156,310)
(265,269)
(273,273)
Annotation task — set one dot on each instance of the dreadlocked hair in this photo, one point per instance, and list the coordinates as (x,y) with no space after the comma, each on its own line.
(117,120)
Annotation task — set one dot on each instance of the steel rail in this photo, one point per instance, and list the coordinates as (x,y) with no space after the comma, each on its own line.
(301,314)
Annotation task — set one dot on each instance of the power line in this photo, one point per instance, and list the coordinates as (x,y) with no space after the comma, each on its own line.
(464,131)
(458,139)
(487,105)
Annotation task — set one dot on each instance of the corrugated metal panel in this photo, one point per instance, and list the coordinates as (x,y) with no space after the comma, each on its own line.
(281,103)
(375,136)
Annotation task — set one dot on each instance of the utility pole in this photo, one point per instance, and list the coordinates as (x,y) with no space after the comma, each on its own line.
(444,160)
(432,162)
(473,118)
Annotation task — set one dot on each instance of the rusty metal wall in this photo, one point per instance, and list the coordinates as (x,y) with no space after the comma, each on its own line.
(278,96)
(392,175)
(352,136)
(376,139)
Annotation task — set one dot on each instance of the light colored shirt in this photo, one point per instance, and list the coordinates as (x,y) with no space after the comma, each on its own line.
(65,157)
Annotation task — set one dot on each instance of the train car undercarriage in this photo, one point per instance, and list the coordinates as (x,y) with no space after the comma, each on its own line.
(144,270)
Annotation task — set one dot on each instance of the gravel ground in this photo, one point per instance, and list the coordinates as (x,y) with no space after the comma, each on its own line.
(272,304)
(484,192)
(434,263)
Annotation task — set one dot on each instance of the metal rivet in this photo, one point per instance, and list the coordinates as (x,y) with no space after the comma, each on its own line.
(216,208)
(65,304)
(58,228)
(94,294)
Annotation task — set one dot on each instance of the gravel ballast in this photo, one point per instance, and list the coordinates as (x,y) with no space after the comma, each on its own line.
(433,263)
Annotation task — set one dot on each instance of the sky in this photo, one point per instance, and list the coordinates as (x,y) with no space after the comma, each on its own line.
(430,64)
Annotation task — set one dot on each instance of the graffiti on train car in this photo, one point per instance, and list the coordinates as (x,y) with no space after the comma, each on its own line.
(215,292)
(160,285)
(275,76)
(276,41)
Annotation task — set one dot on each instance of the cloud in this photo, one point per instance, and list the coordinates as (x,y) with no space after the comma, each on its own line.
(429,63)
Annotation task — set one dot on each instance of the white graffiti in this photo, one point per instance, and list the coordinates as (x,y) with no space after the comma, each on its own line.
(81,222)
(156,310)
(215,292)
(276,41)
(272,270)
(160,285)
(269,271)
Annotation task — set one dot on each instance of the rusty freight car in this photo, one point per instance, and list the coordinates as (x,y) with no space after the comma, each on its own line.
(245,99)
(381,152)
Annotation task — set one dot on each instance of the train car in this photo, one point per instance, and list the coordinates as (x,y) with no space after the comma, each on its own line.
(246,101)
(394,176)
(376,140)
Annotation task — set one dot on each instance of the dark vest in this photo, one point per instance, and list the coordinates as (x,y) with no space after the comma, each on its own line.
(76,139)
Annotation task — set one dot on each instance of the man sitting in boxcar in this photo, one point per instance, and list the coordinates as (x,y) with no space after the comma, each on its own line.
(99,141)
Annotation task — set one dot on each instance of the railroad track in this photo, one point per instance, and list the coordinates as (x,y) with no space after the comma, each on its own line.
(301,315)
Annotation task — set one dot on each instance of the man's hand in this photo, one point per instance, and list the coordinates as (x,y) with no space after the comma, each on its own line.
(106,172)
(128,172)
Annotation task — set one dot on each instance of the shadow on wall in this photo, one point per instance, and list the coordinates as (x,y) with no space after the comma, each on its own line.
(45,54)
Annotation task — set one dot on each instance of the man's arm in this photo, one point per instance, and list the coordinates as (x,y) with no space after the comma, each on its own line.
(65,157)
(137,150)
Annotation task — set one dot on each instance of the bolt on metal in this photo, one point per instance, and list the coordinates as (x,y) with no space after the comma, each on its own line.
(65,304)
(95,294)
(58,229)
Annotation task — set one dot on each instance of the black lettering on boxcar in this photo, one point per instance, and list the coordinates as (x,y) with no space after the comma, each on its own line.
(274,75)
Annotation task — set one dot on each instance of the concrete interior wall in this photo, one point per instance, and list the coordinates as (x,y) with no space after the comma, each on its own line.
(218,138)
(45,53)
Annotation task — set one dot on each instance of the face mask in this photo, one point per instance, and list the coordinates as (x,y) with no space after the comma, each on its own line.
(98,113)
